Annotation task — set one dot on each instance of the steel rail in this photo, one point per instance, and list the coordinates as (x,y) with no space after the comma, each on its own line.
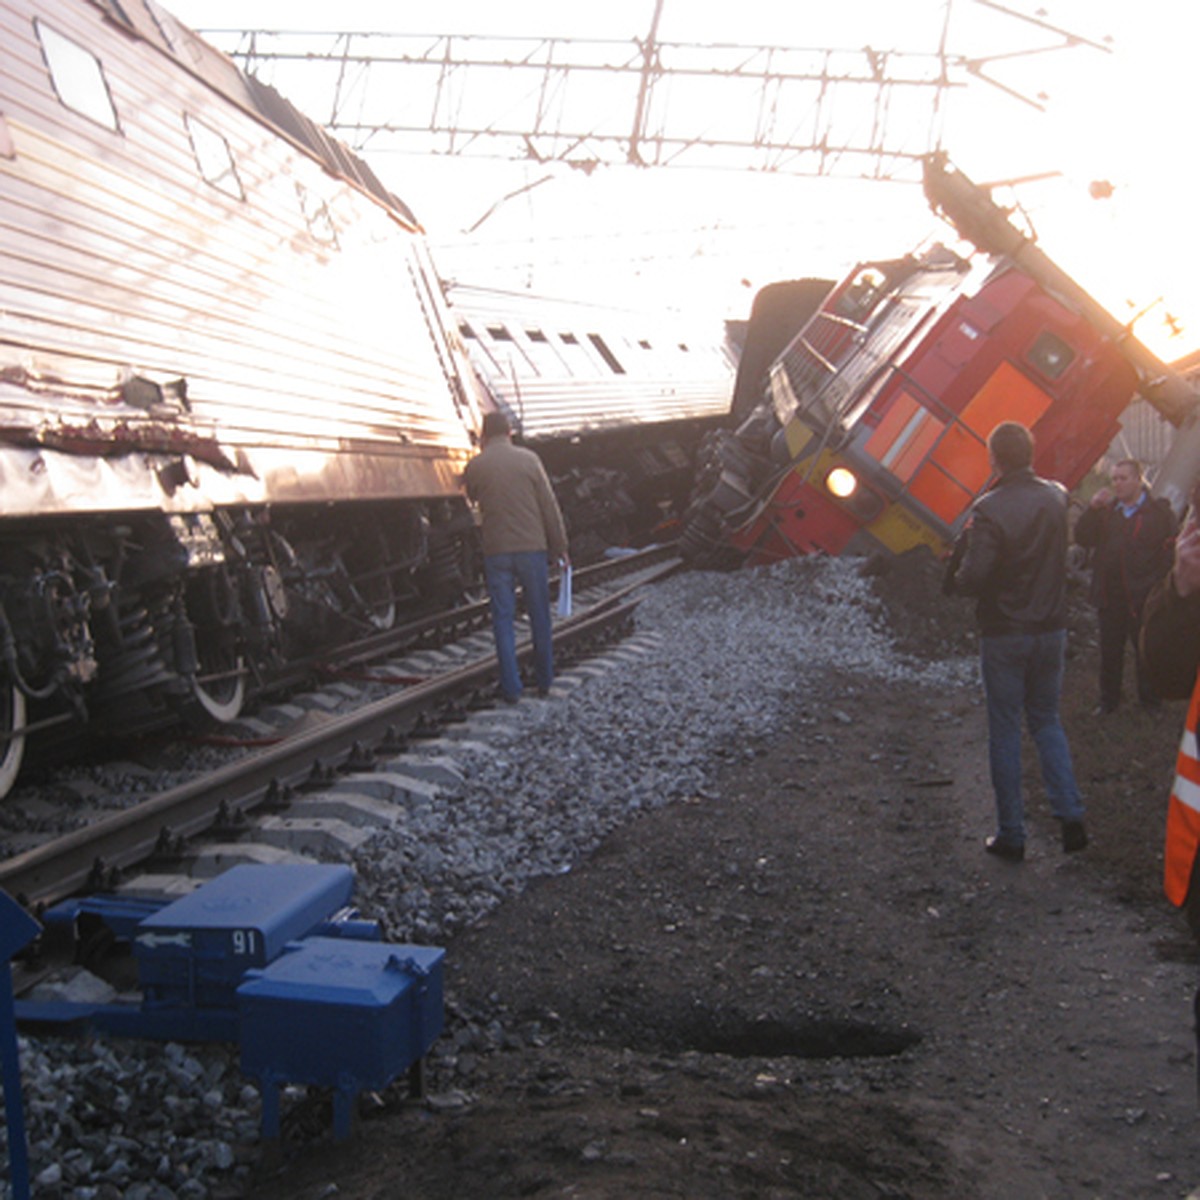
(48,873)
(462,619)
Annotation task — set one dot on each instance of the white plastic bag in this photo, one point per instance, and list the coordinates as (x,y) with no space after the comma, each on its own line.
(564,591)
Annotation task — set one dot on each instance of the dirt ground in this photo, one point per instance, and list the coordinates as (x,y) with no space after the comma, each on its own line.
(818,985)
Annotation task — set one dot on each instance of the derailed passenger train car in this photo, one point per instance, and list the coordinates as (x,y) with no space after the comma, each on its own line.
(233,405)
(614,402)
(870,434)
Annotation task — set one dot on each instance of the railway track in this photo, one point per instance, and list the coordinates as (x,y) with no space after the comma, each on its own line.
(317,781)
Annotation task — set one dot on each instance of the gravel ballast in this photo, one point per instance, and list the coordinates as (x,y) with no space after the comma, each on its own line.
(716,663)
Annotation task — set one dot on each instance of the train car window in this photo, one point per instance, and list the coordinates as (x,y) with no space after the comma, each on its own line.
(499,333)
(536,335)
(213,157)
(685,347)
(569,339)
(77,76)
(645,345)
(467,331)
(606,354)
(1050,355)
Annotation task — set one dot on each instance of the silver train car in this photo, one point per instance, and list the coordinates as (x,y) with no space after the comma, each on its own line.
(234,408)
(236,399)
(615,402)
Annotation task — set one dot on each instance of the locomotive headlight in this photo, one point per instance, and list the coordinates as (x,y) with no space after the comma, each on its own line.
(841,482)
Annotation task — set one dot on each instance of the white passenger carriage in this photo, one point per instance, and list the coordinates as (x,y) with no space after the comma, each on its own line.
(233,408)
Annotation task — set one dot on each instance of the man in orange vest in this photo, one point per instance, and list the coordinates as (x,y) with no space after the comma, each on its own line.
(1171,653)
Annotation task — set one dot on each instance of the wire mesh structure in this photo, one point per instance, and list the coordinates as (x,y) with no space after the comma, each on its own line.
(861,112)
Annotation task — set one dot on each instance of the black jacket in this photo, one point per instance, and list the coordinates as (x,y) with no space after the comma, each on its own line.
(1012,556)
(1131,554)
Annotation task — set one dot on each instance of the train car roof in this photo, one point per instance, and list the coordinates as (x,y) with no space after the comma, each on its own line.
(152,24)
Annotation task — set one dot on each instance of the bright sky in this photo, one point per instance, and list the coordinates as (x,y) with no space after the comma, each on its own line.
(668,236)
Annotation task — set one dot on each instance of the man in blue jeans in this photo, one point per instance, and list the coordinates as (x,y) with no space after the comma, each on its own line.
(1012,556)
(522,530)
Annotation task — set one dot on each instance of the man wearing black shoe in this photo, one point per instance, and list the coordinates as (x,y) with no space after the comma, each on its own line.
(1012,557)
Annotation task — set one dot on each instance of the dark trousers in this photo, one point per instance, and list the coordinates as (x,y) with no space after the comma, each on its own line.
(1117,626)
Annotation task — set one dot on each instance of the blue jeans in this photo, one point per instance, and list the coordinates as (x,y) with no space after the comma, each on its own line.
(503,572)
(1023,671)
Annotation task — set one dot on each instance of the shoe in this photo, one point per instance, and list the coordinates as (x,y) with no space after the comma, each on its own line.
(509,700)
(1074,836)
(1009,851)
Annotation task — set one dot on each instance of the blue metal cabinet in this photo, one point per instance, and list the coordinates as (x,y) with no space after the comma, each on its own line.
(341,1014)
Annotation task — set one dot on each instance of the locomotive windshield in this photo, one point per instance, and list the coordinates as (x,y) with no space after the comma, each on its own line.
(834,368)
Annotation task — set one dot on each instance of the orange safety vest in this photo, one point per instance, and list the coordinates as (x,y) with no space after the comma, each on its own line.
(1183,810)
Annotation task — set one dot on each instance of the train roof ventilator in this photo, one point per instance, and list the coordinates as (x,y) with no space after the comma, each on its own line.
(275,959)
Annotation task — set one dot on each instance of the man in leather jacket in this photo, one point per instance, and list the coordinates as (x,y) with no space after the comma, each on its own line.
(1012,556)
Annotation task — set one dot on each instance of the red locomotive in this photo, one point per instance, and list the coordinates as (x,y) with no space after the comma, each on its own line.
(871,429)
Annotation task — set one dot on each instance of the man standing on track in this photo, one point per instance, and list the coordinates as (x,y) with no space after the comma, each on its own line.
(522,530)
(1012,557)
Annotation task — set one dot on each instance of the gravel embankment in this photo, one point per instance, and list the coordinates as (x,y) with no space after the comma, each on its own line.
(711,672)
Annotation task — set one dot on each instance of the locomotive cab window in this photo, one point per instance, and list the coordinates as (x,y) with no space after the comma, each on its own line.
(213,157)
(1050,355)
(77,77)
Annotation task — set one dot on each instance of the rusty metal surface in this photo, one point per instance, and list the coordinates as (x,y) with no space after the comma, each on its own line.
(318,358)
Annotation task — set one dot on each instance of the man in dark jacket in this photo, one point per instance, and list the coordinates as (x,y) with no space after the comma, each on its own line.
(522,530)
(1012,556)
(1130,536)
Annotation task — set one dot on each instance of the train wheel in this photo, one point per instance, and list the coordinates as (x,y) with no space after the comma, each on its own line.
(218,689)
(12,720)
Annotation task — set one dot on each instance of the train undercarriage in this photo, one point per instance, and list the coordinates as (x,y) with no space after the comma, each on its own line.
(128,622)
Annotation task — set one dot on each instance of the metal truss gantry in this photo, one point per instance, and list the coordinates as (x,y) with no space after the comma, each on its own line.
(866,113)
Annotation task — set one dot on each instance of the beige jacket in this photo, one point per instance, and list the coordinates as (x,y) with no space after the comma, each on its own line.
(519,510)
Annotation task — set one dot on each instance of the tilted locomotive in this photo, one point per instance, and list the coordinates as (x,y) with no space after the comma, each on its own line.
(870,429)
(234,403)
